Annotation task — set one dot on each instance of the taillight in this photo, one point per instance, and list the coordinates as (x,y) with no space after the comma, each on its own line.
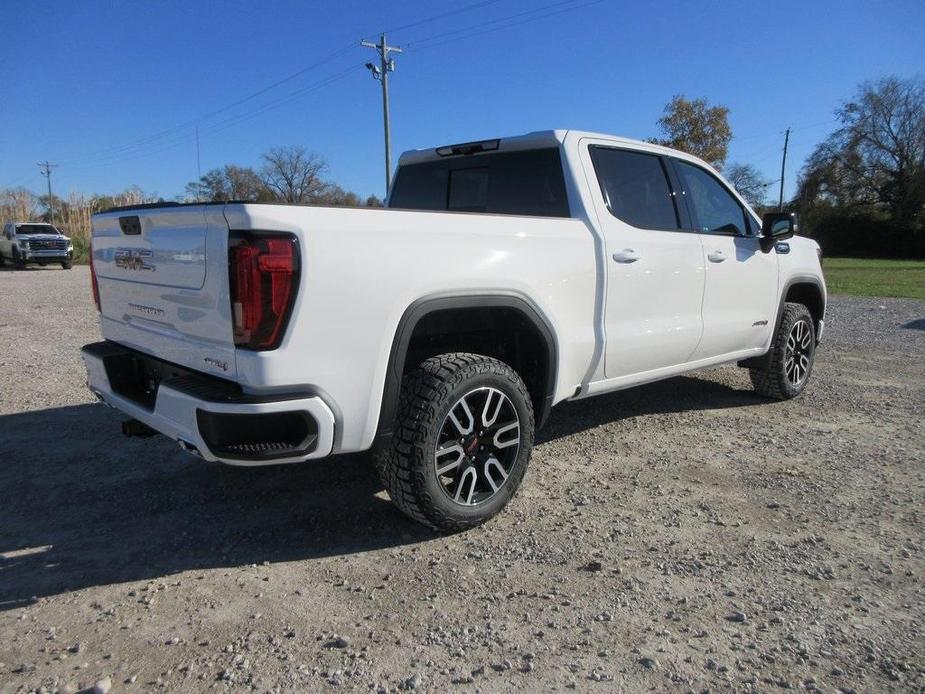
(93,281)
(264,276)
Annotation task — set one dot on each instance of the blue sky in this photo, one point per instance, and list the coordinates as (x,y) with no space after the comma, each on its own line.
(113,91)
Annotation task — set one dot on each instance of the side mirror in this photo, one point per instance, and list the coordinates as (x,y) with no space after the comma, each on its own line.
(777,226)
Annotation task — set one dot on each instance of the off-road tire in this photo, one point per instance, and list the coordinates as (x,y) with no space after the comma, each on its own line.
(18,262)
(67,265)
(773,381)
(428,392)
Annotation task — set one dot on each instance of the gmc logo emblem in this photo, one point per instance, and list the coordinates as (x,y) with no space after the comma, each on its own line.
(134,259)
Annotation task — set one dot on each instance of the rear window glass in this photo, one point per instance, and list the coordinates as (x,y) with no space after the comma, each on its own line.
(468,190)
(636,188)
(524,183)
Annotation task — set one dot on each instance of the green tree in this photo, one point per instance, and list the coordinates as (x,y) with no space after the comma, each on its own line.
(695,127)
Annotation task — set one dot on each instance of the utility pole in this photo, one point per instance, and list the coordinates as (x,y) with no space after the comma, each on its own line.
(198,167)
(47,166)
(381,73)
(783,163)
(198,164)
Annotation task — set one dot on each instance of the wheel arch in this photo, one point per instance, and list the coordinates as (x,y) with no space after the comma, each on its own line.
(806,290)
(802,289)
(433,312)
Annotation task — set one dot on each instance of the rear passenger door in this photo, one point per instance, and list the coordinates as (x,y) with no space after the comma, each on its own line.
(655,268)
(740,297)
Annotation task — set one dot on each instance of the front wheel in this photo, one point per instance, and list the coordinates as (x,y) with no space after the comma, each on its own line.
(18,261)
(793,352)
(67,265)
(462,441)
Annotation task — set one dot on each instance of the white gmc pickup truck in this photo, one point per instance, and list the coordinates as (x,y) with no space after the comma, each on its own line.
(506,276)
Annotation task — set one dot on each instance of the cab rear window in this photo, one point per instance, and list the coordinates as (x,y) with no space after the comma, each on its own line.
(528,182)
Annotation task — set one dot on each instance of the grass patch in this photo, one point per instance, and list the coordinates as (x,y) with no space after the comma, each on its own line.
(870,277)
(81,250)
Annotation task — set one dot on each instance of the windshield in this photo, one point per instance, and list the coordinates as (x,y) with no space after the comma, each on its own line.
(36,229)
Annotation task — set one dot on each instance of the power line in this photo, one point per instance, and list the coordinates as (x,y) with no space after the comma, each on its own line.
(150,139)
(107,152)
(179,135)
(188,138)
(434,18)
(524,17)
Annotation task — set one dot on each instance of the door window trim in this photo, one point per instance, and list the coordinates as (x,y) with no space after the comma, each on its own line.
(692,214)
(682,215)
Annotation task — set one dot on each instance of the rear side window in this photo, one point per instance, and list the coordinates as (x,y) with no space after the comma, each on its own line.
(636,187)
(713,206)
(529,182)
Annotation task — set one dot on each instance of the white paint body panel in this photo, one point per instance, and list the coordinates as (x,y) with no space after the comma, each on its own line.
(614,325)
(363,268)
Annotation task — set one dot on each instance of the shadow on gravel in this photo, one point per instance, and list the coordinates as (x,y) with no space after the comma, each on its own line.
(915,324)
(681,394)
(82,506)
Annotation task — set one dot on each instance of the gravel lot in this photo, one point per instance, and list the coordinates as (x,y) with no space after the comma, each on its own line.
(681,535)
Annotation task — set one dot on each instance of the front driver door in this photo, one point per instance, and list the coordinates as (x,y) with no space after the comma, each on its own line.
(740,297)
(655,269)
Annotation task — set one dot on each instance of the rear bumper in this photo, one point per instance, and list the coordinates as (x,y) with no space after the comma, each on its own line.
(209,417)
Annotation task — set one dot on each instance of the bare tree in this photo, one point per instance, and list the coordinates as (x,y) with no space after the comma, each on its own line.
(336,196)
(18,204)
(293,174)
(695,127)
(751,185)
(229,183)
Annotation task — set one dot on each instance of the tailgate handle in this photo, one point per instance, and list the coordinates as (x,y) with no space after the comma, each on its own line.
(131,226)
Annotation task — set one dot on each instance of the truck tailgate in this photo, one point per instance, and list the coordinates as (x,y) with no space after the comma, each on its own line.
(163,283)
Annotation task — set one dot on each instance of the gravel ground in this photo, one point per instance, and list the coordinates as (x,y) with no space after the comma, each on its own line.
(681,535)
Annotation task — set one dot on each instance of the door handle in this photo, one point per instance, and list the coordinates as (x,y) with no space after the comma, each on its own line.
(627,255)
(716,257)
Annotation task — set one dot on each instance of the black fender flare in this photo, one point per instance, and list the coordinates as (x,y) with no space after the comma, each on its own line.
(799,279)
(429,304)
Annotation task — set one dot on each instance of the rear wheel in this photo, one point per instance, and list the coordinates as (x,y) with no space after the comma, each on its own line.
(793,351)
(462,442)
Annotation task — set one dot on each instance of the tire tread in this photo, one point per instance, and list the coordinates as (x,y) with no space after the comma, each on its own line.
(401,466)
(771,382)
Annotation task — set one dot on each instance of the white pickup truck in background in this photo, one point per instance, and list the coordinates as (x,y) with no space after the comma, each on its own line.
(506,276)
(22,243)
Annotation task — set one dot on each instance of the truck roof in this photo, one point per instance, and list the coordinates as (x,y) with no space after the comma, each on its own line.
(533,140)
